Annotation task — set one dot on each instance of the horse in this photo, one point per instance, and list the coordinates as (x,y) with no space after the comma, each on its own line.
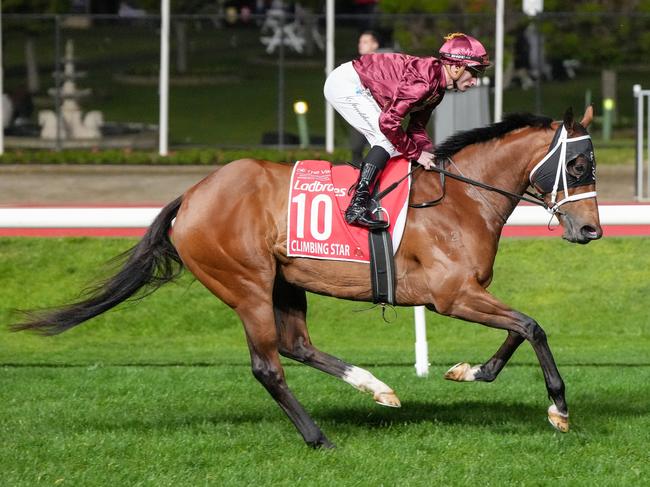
(230,231)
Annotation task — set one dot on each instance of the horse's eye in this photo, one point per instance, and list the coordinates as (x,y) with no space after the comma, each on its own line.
(577,167)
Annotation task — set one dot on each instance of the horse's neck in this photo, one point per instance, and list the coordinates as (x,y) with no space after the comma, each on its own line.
(502,163)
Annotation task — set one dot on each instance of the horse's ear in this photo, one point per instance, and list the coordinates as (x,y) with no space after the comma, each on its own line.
(568,118)
(588,116)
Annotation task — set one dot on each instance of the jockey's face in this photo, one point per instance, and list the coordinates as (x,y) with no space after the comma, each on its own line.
(466,80)
(460,78)
(367,44)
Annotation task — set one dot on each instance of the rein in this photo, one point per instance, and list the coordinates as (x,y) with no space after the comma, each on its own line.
(534,198)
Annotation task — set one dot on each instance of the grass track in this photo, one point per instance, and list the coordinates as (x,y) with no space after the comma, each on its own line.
(160,393)
(214,425)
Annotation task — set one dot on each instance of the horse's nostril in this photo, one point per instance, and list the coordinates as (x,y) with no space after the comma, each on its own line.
(592,233)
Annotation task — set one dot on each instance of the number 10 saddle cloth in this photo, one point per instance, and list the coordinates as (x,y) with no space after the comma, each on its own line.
(318,197)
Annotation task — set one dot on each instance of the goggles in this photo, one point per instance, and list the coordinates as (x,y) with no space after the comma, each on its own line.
(476,71)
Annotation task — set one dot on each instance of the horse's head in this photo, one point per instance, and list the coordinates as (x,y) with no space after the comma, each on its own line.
(566,177)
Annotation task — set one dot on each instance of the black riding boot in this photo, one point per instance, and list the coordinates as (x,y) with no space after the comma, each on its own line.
(358,212)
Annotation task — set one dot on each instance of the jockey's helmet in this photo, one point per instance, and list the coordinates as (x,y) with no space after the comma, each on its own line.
(463,50)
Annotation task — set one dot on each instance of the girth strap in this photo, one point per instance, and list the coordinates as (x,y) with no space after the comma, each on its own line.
(382,266)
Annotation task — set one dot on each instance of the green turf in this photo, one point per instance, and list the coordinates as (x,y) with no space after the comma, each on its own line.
(160,392)
(215,426)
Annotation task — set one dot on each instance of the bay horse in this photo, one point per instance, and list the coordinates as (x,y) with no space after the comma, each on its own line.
(230,231)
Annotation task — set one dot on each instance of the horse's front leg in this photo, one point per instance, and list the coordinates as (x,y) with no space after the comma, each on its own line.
(488,371)
(477,305)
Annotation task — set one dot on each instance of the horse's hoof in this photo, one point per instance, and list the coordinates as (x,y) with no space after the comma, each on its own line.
(560,421)
(325,445)
(321,443)
(462,372)
(387,399)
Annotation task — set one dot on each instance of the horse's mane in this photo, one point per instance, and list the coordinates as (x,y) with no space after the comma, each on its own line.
(458,141)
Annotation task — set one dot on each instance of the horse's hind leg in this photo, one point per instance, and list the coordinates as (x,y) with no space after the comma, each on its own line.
(479,306)
(290,306)
(252,302)
(265,360)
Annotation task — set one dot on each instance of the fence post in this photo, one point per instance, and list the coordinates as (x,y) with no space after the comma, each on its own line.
(421,346)
(329,66)
(58,79)
(281,84)
(163,88)
(2,102)
(608,80)
(638,94)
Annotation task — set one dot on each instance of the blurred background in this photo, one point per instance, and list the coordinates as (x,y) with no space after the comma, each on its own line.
(238,67)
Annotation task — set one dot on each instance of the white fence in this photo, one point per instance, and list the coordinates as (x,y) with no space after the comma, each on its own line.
(140,217)
(642,188)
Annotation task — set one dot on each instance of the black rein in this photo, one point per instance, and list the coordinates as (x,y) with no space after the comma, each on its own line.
(535,199)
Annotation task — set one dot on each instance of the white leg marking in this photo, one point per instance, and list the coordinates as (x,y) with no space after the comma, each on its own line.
(364,381)
(462,372)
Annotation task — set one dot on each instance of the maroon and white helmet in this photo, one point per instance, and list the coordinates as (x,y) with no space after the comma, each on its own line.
(463,50)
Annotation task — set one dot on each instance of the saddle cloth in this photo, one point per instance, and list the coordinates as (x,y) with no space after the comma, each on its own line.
(318,198)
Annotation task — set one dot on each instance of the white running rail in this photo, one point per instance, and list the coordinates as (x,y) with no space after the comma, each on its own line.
(140,217)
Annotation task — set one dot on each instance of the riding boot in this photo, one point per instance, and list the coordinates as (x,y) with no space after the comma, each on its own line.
(358,213)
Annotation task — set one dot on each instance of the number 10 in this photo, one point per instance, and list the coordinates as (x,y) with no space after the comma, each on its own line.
(317,202)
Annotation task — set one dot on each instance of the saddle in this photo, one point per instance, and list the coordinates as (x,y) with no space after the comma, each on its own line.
(316,227)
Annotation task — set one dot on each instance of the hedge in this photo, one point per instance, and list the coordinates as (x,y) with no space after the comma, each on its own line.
(206,157)
(615,152)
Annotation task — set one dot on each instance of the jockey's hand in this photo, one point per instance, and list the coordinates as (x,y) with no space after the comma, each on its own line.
(427,159)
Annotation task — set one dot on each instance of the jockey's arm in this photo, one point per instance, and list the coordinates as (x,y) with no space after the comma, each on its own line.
(417,128)
(390,120)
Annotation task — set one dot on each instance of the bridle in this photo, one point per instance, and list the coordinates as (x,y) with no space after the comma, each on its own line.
(556,161)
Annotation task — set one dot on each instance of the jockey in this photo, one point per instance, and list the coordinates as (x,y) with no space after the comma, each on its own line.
(375,92)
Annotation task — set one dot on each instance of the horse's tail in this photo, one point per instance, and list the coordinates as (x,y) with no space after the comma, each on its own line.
(151,263)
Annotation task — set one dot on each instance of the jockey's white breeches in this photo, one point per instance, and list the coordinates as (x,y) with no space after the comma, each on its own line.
(353,101)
